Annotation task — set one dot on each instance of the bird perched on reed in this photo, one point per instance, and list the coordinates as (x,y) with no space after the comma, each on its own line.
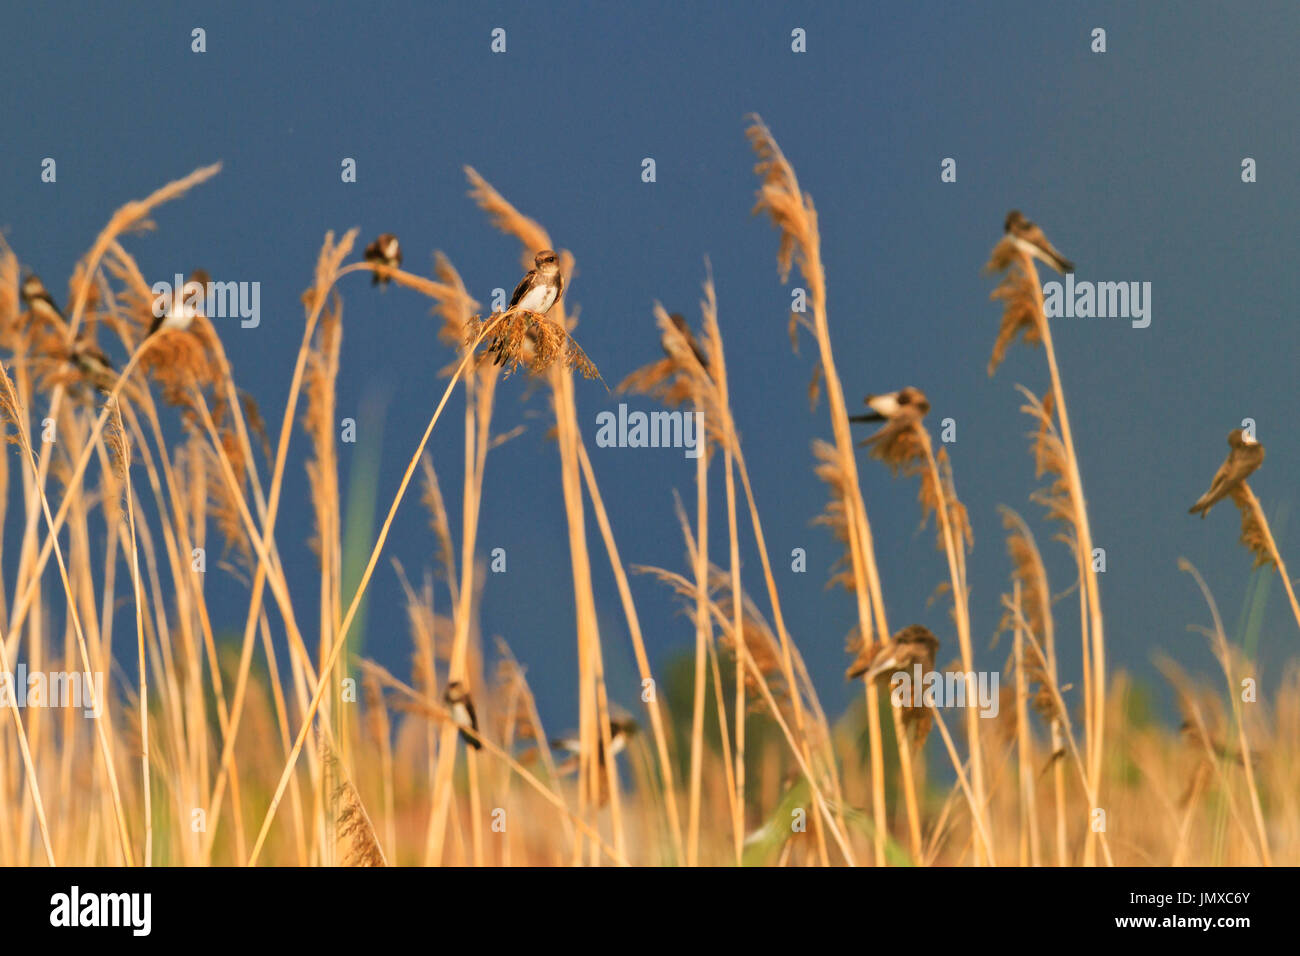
(39,301)
(912,645)
(1245,456)
(539,290)
(898,410)
(1029,237)
(458,701)
(176,312)
(92,364)
(621,729)
(384,251)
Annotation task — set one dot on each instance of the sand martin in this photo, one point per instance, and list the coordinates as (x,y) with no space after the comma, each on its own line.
(899,410)
(457,699)
(385,251)
(184,305)
(912,645)
(92,363)
(1246,455)
(1028,237)
(39,301)
(620,729)
(542,287)
(537,291)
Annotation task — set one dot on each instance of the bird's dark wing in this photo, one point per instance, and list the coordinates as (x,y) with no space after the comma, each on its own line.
(520,289)
(157,321)
(100,357)
(471,740)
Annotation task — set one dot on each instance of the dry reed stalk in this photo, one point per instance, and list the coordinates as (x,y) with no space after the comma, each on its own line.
(119,441)
(1030,576)
(1220,645)
(1023,295)
(907,448)
(356,600)
(717,372)
(793,214)
(638,648)
(593,709)
(9,400)
(703,635)
(706,653)
(1030,848)
(1058,702)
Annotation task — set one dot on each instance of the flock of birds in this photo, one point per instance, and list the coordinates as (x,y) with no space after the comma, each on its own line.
(537,292)
(898,411)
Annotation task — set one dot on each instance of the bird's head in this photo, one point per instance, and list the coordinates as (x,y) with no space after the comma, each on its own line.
(33,288)
(918,636)
(1014,220)
(915,399)
(547,262)
(456,693)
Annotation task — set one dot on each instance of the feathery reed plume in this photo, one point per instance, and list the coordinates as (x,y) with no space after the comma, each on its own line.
(352,826)
(1258,539)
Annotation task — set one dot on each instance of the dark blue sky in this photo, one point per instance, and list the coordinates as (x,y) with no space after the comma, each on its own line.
(1130,160)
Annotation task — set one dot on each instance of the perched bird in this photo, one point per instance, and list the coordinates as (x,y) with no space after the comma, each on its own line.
(457,699)
(92,363)
(899,410)
(539,289)
(1246,455)
(180,309)
(620,729)
(1027,236)
(680,324)
(1203,739)
(385,251)
(39,301)
(912,645)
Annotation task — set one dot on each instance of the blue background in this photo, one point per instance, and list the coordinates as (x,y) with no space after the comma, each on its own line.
(1130,160)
